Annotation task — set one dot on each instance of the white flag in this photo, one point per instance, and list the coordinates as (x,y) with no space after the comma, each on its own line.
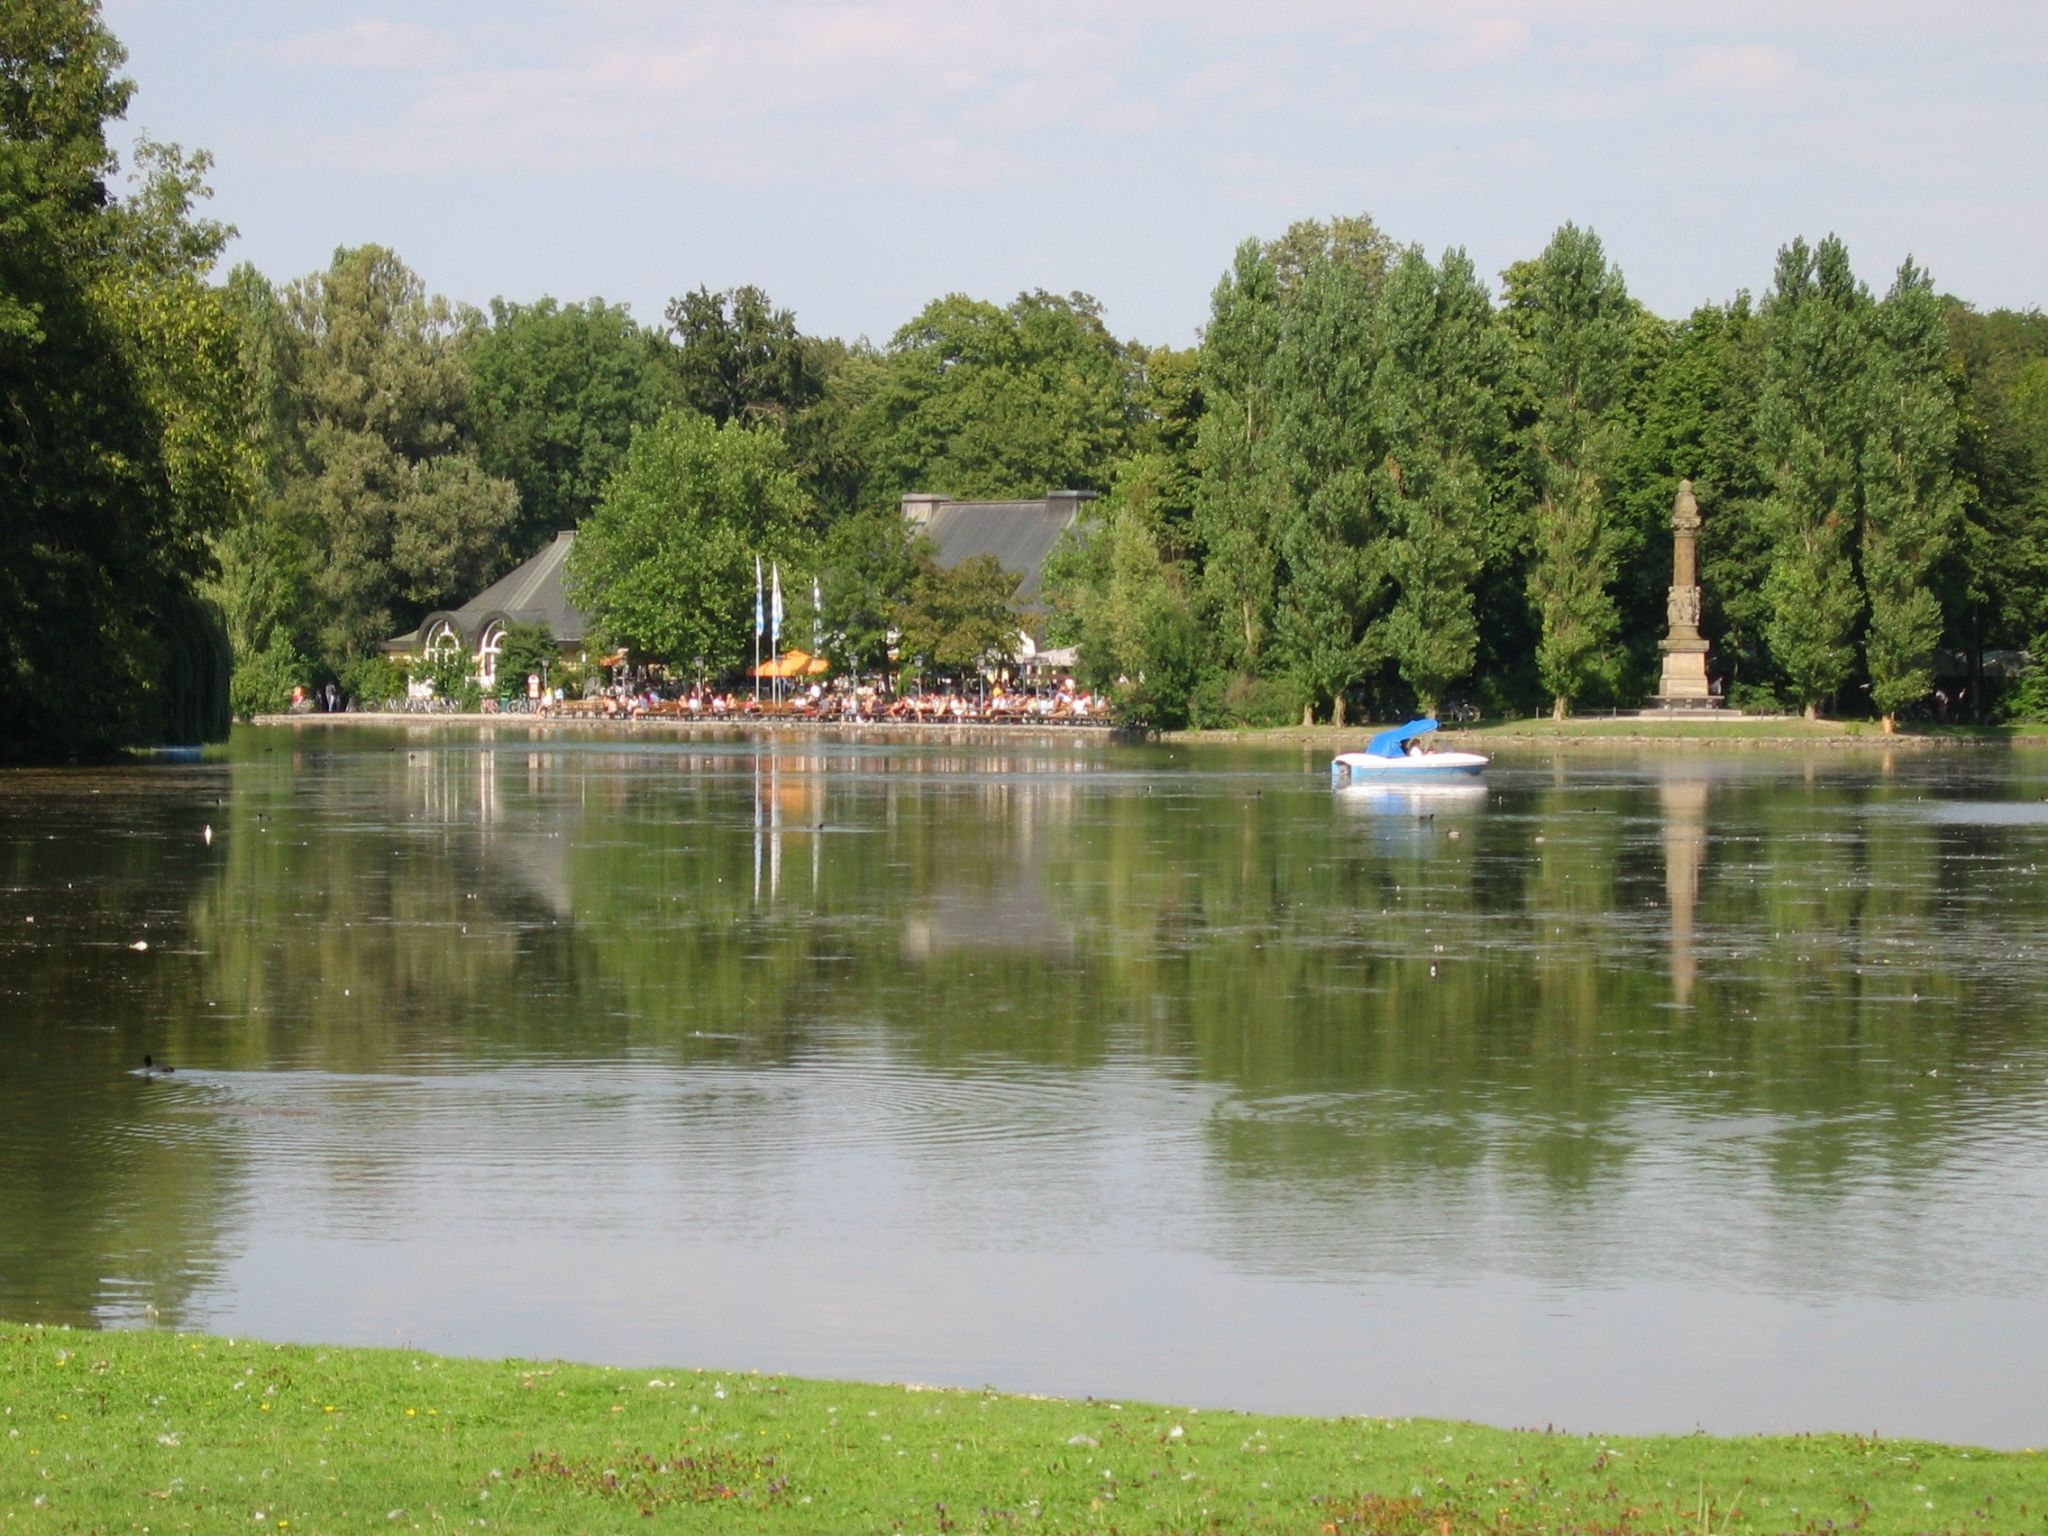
(757,597)
(775,606)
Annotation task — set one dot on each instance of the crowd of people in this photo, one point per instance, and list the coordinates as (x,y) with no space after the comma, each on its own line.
(650,696)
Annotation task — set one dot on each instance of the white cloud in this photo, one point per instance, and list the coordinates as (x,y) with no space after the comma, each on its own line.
(1744,68)
(1602,52)
(370,43)
(1480,41)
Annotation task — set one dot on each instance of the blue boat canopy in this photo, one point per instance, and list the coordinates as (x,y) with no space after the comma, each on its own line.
(1390,743)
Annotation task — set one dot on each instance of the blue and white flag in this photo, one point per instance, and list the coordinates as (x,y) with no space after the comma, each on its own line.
(775,608)
(757,597)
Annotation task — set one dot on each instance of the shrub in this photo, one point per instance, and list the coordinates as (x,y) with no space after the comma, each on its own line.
(262,684)
(528,650)
(1755,699)
(372,681)
(448,671)
(2026,701)
(1241,699)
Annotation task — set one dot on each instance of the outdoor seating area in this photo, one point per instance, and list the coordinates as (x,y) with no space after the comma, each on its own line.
(651,698)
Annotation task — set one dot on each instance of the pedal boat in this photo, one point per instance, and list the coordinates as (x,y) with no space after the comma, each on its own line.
(1389,757)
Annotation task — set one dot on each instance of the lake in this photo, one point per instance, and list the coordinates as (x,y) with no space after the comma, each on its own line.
(1620,1093)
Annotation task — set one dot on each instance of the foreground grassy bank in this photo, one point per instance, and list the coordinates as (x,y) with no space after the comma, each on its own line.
(168,1432)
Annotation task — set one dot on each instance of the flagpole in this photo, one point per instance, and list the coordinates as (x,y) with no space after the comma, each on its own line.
(775,627)
(757,631)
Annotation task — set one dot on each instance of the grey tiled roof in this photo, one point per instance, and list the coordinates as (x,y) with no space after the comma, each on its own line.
(1020,534)
(532,593)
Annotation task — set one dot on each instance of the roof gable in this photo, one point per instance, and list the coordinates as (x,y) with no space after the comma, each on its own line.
(1020,534)
(531,593)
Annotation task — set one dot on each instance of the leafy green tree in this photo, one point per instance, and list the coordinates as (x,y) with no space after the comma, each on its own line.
(1332,575)
(739,358)
(1239,490)
(556,393)
(1912,501)
(1698,422)
(119,426)
(980,401)
(1810,424)
(264,679)
(262,561)
(665,565)
(1438,413)
(829,443)
(527,650)
(372,682)
(1995,580)
(1573,321)
(1348,240)
(1114,595)
(870,562)
(1170,407)
(380,510)
(960,619)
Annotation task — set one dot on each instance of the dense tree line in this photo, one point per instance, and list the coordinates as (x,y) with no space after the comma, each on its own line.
(1374,486)
(121,454)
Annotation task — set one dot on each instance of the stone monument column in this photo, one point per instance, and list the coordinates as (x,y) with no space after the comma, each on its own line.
(1684,685)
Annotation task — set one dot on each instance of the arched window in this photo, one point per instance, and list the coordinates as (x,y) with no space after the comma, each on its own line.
(487,654)
(444,641)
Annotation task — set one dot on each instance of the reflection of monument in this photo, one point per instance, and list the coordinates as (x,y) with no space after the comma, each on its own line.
(1684,803)
(1685,652)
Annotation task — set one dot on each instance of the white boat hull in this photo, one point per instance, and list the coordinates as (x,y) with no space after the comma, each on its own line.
(1420,765)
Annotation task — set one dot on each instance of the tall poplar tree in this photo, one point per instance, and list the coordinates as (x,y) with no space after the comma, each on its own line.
(1699,422)
(1333,561)
(1912,501)
(1810,428)
(1235,500)
(1571,314)
(1437,405)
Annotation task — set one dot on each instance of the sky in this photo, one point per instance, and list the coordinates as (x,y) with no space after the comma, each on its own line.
(860,158)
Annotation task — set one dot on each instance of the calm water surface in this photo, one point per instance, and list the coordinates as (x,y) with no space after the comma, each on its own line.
(1620,1094)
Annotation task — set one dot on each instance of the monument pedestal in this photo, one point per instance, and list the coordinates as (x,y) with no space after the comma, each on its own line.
(1684,684)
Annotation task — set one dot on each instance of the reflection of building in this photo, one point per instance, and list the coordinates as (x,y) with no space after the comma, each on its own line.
(532,594)
(1020,534)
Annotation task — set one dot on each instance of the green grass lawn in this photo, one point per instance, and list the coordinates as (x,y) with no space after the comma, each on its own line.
(166,1432)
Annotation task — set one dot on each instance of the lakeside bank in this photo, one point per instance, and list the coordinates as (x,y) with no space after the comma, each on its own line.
(161,1430)
(1675,733)
(1681,733)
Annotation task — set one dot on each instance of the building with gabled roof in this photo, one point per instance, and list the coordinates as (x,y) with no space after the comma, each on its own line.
(532,593)
(1020,534)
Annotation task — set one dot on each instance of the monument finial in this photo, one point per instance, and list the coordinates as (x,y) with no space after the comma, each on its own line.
(1685,511)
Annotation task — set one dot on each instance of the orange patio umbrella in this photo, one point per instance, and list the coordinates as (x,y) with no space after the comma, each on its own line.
(793,664)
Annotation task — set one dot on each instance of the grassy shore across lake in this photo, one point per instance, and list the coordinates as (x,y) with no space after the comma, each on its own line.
(1677,731)
(158,1431)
